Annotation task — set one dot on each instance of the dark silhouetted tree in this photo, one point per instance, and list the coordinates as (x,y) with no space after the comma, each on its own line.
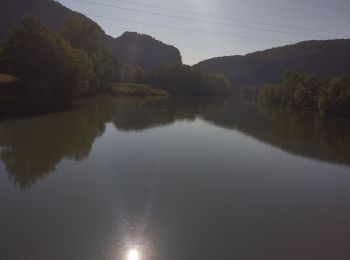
(50,72)
(334,97)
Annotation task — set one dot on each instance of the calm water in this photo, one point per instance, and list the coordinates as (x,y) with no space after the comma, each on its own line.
(174,179)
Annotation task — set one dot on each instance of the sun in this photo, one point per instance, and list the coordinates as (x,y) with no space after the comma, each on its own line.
(133,254)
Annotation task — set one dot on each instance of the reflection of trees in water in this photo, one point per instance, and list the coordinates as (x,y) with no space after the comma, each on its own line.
(323,138)
(137,114)
(32,147)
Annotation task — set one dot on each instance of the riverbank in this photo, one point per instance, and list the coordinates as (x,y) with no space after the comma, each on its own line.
(134,89)
(305,93)
(13,105)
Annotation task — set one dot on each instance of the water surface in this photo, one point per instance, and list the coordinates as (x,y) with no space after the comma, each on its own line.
(176,178)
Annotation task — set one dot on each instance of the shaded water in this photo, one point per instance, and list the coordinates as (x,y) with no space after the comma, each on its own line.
(177,178)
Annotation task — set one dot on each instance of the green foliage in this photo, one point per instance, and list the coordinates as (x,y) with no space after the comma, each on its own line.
(298,91)
(186,80)
(129,73)
(334,97)
(133,89)
(85,35)
(309,93)
(50,72)
(250,91)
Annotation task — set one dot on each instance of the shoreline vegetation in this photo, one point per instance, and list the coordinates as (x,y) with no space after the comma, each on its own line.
(304,93)
(135,89)
(47,71)
(52,70)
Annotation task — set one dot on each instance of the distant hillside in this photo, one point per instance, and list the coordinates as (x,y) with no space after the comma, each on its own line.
(132,48)
(51,13)
(143,51)
(323,58)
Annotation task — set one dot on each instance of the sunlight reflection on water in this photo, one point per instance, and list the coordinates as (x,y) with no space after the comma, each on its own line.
(133,254)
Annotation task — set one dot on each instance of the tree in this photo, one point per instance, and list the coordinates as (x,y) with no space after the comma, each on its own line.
(50,72)
(334,97)
(218,84)
(85,35)
(308,92)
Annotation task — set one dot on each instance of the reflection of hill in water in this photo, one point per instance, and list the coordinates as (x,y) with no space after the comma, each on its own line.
(137,114)
(32,147)
(322,138)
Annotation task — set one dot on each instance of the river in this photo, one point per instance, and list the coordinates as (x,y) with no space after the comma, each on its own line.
(175,179)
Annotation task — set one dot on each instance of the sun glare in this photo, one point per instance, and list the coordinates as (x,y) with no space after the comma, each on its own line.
(133,255)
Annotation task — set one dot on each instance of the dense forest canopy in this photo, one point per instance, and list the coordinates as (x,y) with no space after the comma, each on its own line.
(83,34)
(309,93)
(50,72)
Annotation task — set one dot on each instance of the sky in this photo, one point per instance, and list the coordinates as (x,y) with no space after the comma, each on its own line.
(203,29)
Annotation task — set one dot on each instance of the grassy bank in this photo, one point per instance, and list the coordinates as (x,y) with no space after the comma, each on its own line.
(133,89)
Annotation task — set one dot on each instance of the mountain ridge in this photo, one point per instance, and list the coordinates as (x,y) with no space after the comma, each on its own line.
(324,58)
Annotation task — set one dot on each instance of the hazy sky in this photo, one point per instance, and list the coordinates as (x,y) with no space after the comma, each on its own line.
(327,19)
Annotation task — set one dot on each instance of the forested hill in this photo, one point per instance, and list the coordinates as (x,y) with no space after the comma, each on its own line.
(143,50)
(323,58)
(136,49)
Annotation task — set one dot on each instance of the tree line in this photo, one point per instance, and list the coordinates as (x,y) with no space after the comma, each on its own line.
(306,92)
(188,80)
(178,79)
(53,69)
